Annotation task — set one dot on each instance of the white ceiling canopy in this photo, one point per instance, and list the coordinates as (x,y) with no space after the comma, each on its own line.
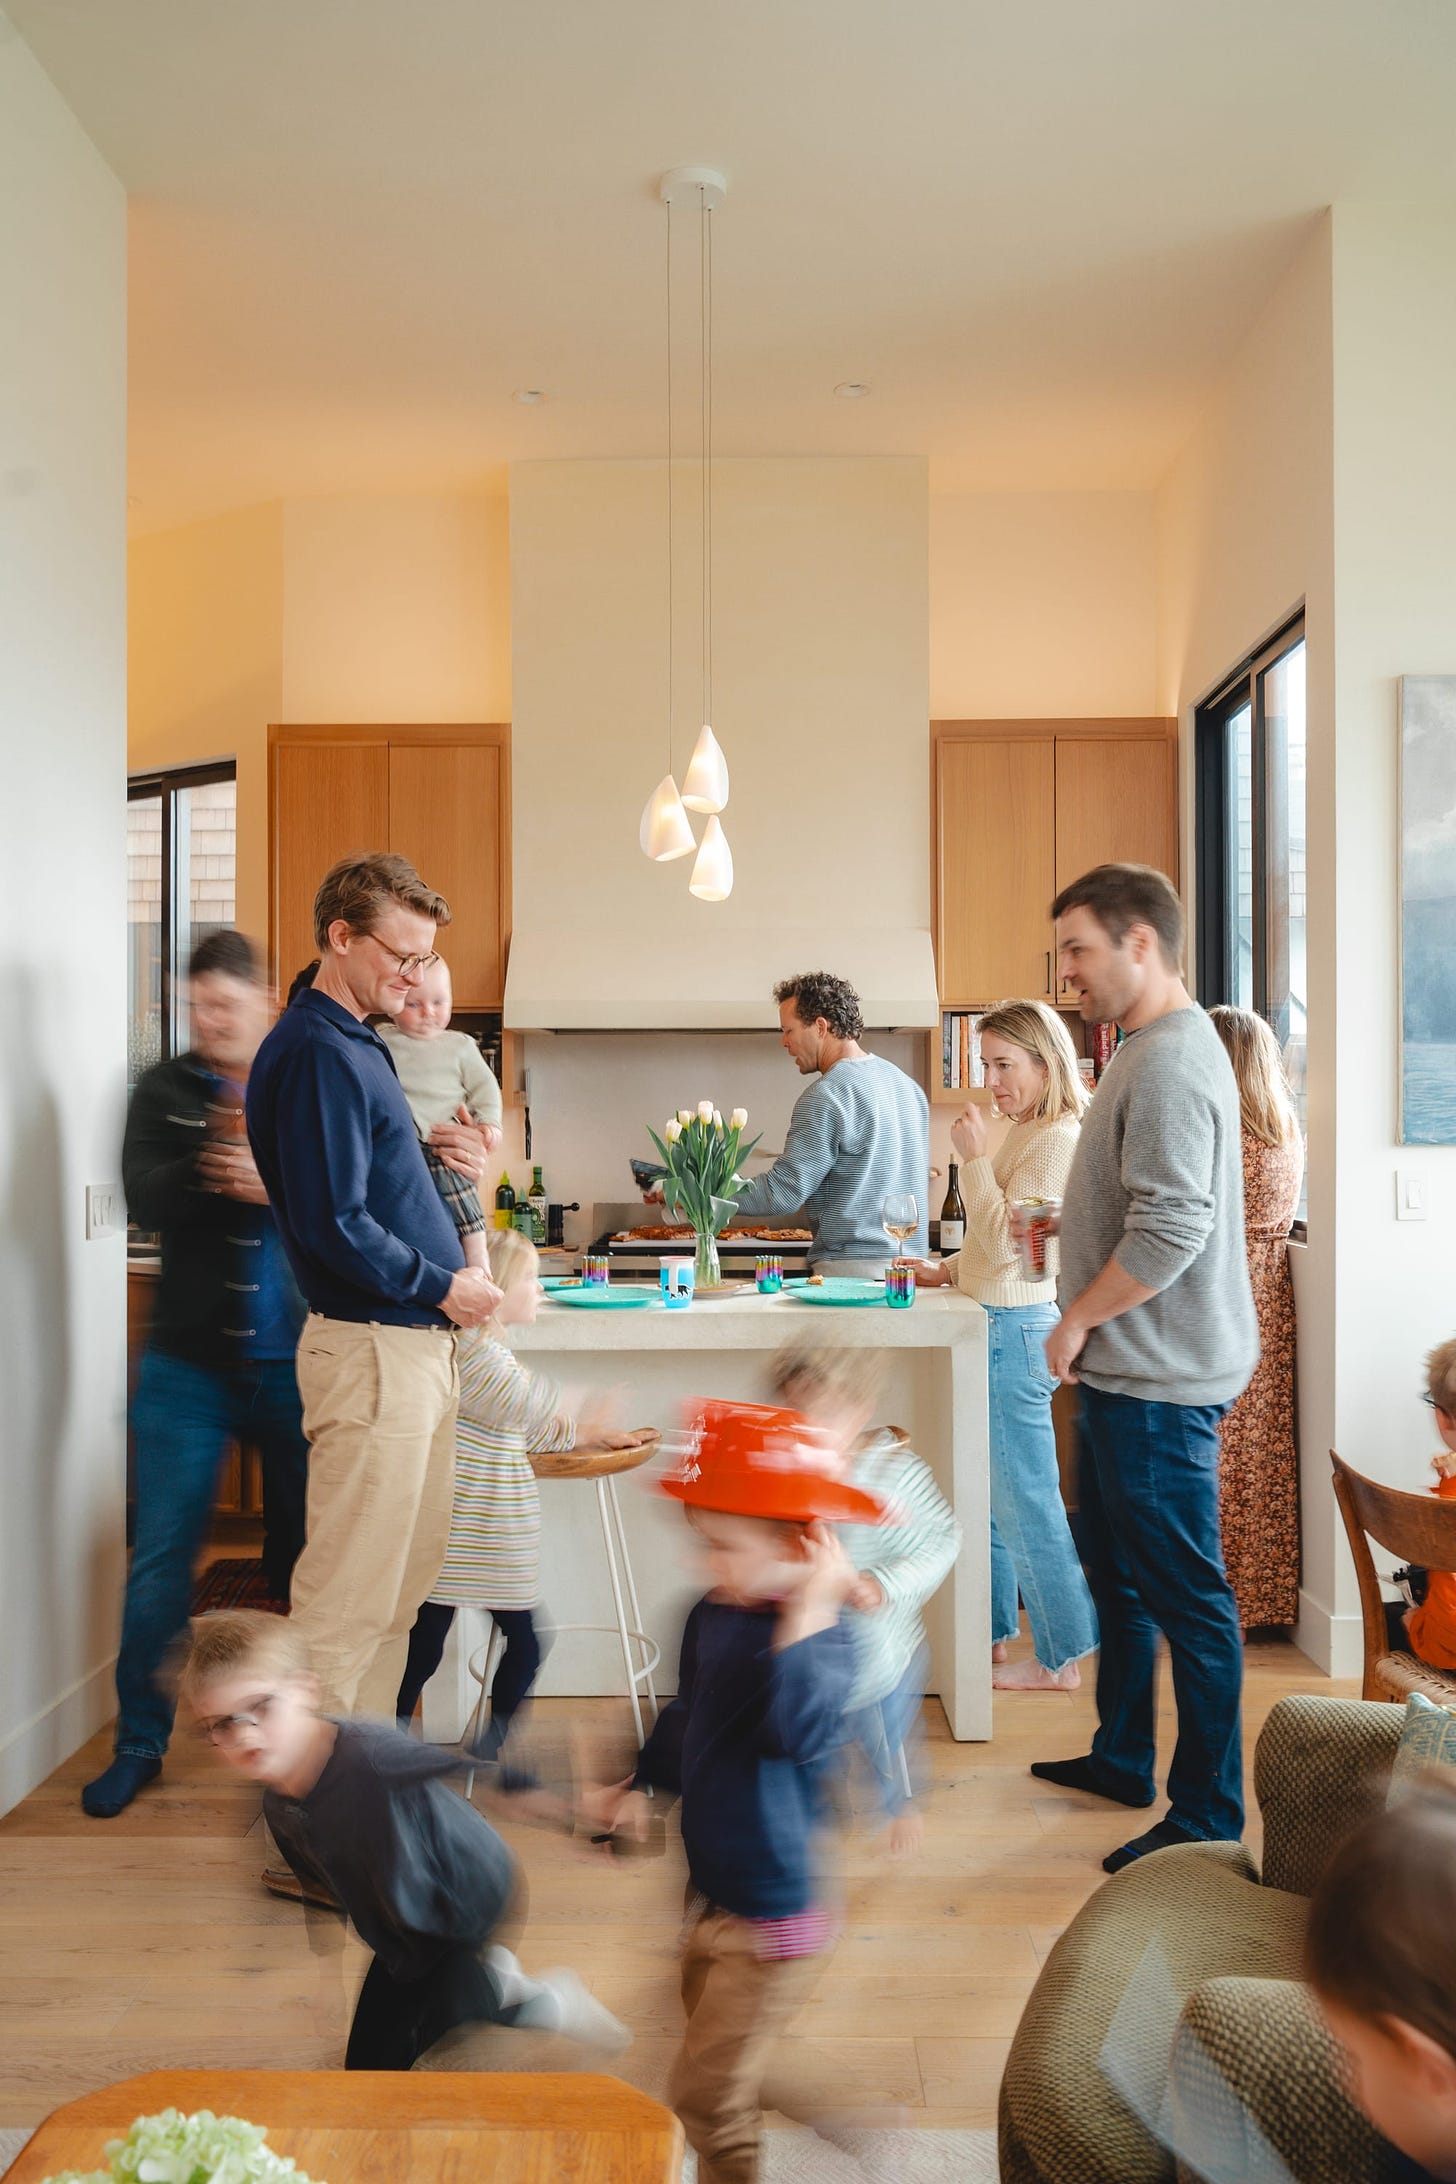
(359,226)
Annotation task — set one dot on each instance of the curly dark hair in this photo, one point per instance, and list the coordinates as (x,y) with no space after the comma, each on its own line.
(820,993)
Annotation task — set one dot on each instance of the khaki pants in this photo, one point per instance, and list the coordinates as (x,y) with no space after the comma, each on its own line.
(379,1411)
(737,2007)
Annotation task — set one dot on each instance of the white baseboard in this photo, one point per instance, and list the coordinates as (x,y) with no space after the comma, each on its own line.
(43,1743)
(1335,1643)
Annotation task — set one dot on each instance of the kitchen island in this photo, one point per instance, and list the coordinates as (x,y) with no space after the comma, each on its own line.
(935,1387)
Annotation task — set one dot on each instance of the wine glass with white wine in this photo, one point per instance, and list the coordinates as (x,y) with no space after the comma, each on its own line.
(899,1218)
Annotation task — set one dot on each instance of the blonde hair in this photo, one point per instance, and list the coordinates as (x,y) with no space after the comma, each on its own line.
(235,1642)
(514,1261)
(1266,1105)
(1441,1377)
(800,1373)
(1040,1032)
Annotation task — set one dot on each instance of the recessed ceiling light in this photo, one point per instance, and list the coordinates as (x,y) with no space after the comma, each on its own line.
(853,390)
(529,397)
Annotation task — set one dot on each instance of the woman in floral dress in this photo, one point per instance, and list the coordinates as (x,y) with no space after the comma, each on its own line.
(1258,1469)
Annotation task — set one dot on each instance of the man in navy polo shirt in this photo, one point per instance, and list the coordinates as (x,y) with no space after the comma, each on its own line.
(380,1265)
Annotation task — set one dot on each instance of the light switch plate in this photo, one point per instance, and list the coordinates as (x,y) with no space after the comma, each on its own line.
(103,1208)
(1411,1194)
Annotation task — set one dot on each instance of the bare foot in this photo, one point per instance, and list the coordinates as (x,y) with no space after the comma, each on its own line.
(1031,1676)
(907,1834)
(998,1651)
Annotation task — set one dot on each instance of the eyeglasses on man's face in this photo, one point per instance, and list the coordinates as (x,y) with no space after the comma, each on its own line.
(225,1729)
(408,964)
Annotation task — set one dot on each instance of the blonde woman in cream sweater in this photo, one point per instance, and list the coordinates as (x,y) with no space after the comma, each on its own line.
(1031,1069)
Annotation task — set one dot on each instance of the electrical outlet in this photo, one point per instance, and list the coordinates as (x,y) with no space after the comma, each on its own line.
(103,1206)
(1411,1199)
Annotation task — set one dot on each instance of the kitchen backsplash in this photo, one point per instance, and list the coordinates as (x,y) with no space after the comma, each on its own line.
(593,1096)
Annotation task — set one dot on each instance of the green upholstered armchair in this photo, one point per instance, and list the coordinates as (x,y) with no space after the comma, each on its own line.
(1190,1959)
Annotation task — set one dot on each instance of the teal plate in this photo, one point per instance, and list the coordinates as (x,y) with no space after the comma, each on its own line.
(552,1282)
(607,1300)
(829,1295)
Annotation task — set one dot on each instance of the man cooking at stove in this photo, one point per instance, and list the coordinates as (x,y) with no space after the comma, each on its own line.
(858,1135)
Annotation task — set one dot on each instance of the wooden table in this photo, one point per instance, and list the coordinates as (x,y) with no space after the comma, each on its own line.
(393,2127)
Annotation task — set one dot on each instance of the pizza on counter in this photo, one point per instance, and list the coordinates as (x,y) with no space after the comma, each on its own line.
(660,1233)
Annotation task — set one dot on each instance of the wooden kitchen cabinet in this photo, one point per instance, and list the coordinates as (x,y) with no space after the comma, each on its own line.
(444,815)
(327,799)
(439,796)
(994,861)
(1020,808)
(1117,803)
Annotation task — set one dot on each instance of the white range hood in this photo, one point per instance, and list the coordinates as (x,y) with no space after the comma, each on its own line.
(601,979)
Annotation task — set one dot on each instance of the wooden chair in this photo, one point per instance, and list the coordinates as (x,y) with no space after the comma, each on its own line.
(1416,1528)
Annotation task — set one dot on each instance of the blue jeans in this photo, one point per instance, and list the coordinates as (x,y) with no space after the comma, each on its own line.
(885,1733)
(1150,1536)
(1031,1542)
(183,1416)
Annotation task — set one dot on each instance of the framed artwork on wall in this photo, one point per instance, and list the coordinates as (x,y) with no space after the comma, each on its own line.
(1428,909)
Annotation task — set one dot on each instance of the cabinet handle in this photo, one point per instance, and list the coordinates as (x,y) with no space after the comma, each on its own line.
(1049,974)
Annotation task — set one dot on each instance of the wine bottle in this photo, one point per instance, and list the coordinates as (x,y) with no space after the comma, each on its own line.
(505,1204)
(536,1199)
(952,1215)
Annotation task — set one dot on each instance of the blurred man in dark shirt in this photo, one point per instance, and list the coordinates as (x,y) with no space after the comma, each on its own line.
(218,1365)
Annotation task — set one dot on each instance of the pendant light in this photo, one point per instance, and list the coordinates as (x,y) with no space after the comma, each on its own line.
(712,879)
(705,787)
(666,830)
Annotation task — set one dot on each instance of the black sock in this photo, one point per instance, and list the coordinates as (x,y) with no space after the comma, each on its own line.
(1163,1835)
(1085,1774)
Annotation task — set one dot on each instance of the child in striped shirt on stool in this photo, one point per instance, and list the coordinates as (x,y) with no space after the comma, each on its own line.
(899,1566)
(493,1560)
(766,1670)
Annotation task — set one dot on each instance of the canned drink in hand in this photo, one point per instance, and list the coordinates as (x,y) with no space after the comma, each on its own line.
(1036,1223)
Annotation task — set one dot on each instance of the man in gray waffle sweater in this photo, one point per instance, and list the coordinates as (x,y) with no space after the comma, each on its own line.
(1158,1327)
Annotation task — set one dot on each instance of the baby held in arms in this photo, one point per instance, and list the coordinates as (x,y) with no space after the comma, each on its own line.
(445,1079)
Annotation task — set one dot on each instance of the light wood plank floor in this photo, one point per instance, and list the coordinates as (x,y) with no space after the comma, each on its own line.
(146,1941)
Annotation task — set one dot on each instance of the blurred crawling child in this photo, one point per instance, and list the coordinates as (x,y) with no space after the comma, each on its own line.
(899,1565)
(1429,1630)
(766,1669)
(363,1815)
(445,1079)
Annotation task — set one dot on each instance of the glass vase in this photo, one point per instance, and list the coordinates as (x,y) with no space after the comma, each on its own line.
(707,1274)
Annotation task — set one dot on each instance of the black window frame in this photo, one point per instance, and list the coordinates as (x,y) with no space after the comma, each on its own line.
(165,782)
(1215,803)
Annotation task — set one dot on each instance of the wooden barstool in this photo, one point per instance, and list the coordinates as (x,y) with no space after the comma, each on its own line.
(641,1655)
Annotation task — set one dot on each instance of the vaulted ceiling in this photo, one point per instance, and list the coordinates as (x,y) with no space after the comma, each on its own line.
(1035,230)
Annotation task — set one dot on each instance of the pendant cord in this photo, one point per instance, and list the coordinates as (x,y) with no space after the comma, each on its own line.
(670,693)
(703,217)
(708,441)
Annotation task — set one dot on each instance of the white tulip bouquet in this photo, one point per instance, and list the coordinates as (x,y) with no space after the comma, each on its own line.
(700,1184)
(200,2149)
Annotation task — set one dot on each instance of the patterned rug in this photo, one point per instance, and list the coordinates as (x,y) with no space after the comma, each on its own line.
(238,1583)
(798,2157)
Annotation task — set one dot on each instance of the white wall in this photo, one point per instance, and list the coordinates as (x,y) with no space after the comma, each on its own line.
(396,607)
(205,666)
(1245,534)
(1043,605)
(1395,584)
(62,959)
